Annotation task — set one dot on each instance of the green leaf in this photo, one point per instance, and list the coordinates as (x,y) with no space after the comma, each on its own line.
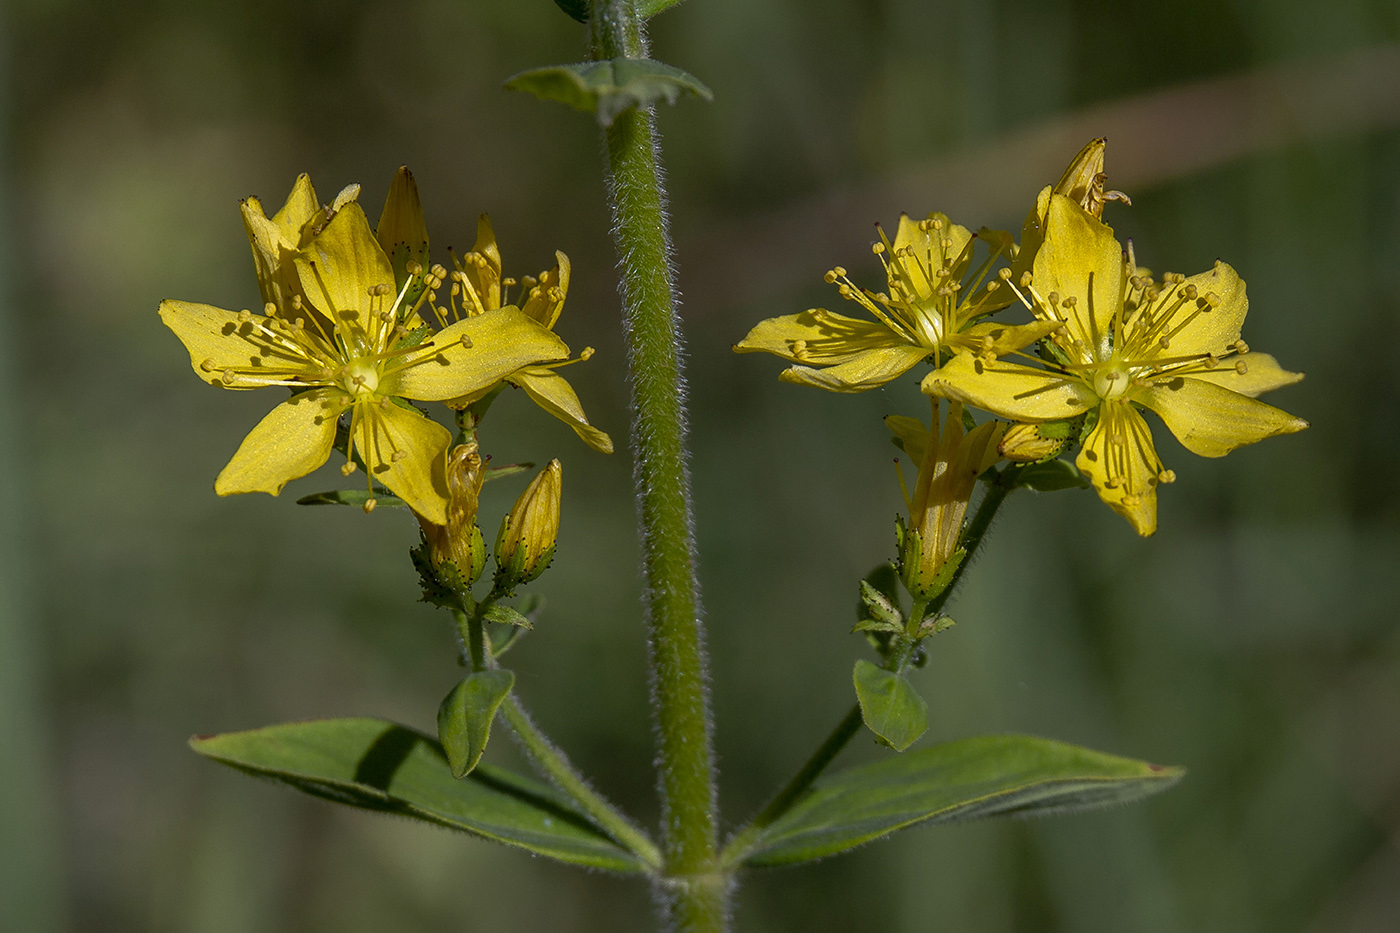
(1051,476)
(578,9)
(509,469)
(969,779)
(874,625)
(377,765)
(607,88)
(646,9)
(465,716)
(505,615)
(880,607)
(890,706)
(355,497)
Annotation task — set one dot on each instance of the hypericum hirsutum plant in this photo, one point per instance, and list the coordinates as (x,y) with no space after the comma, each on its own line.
(1040,357)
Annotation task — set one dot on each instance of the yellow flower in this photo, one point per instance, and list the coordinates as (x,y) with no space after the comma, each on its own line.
(949,463)
(525,543)
(337,337)
(934,300)
(1126,340)
(477,288)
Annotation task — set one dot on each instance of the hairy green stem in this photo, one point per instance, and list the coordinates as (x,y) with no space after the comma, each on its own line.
(846,729)
(696,898)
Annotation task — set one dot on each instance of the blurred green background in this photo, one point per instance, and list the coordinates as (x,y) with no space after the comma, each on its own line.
(1253,639)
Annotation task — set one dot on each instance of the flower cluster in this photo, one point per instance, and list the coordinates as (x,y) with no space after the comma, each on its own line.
(359,326)
(1106,340)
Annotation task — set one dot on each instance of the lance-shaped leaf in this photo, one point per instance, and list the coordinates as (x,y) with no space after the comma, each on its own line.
(464,718)
(378,765)
(1052,476)
(968,779)
(355,497)
(609,87)
(890,706)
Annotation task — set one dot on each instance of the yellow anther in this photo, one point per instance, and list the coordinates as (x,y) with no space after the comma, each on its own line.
(370,504)
(227,377)
(270,309)
(877,248)
(1166,476)
(587,353)
(840,271)
(348,468)
(1211,362)
(465,341)
(398,455)
(1004,274)
(296,302)
(414,267)
(1025,280)
(208,366)
(993,286)
(1164,343)
(1241,346)
(844,291)
(1213,299)
(438,270)
(937,223)
(830,277)
(245,316)
(1241,367)
(1071,301)
(1189,292)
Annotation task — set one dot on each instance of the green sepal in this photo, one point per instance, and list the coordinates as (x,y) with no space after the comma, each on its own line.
(577,9)
(607,88)
(1052,476)
(442,586)
(505,615)
(510,469)
(465,716)
(890,706)
(381,766)
(953,782)
(355,497)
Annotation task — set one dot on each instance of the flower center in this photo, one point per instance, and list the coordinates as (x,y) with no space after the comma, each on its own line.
(1111,381)
(361,377)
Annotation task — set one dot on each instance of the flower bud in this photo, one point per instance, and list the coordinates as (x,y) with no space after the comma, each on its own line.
(1029,443)
(1084,179)
(459,542)
(525,544)
(950,462)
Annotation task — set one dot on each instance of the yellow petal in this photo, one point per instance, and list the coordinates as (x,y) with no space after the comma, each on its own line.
(552,392)
(912,436)
(217,340)
(294,439)
(928,251)
(341,264)
(500,342)
(542,304)
(1119,459)
(301,206)
(819,337)
(401,232)
(1005,338)
(1210,420)
(1212,330)
(1262,374)
(484,275)
(272,255)
(1009,390)
(404,451)
(868,370)
(1080,259)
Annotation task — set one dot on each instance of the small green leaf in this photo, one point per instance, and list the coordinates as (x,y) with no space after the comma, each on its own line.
(646,9)
(355,497)
(505,615)
(934,624)
(578,9)
(377,765)
(890,706)
(953,782)
(509,469)
(1051,476)
(609,87)
(873,625)
(465,716)
(881,607)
